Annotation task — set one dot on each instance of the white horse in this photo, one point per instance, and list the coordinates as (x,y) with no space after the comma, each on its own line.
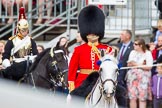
(102,94)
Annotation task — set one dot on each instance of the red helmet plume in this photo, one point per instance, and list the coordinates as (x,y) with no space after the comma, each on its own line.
(22,13)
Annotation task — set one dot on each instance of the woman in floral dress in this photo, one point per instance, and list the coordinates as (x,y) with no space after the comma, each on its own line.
(138,79)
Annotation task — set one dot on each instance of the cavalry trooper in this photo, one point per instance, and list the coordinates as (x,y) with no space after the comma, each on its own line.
(91,22)
(21,45)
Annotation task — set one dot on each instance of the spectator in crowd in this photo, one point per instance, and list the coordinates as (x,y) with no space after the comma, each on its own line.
(86,55)
(159,31)
(40,48)
(125,47)
(9,4)
(2,45)
(62,44)
(156,52)
(138,79)
(157,85)
(40,11)
(158,3)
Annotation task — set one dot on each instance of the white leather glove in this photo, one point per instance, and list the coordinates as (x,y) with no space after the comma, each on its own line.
(6,63)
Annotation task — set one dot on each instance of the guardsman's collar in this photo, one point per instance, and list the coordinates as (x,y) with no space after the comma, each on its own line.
(19,35)
(93,44)
(92,40)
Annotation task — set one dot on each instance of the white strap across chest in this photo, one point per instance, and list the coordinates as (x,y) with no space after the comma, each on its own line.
(18,44)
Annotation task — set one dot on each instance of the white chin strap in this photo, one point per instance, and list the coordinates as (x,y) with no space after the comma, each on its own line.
(6,63)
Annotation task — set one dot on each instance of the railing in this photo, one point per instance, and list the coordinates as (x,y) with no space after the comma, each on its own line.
(64,10)
(137,15)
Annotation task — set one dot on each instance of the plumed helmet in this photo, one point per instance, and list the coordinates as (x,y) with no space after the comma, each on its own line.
(91,20)
(23,24)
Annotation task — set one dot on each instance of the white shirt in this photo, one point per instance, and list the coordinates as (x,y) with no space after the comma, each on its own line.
(139,57)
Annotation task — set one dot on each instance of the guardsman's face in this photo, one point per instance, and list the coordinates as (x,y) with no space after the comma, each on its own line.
(92,38)
(24,32)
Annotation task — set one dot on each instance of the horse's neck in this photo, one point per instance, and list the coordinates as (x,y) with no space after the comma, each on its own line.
(95,93)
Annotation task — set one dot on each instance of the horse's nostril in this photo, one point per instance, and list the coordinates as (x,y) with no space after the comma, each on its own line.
(104,92)
(112,94)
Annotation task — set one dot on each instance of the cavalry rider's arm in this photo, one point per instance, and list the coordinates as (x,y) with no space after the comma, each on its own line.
(73,67)
(7,53)
(34,47)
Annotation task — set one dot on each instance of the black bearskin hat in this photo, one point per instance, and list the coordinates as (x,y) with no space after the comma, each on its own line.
(91,20)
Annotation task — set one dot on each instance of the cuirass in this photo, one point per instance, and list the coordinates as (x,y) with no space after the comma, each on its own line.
(24,50)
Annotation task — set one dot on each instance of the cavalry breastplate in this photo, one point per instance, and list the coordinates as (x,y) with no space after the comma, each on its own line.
(22,49)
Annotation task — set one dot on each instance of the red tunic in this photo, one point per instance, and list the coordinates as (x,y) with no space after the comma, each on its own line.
(81,59)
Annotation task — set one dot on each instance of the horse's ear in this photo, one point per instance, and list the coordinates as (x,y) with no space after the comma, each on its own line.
(51,52)
(102,53)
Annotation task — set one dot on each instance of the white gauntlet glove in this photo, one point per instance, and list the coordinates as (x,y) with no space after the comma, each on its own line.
(6,63)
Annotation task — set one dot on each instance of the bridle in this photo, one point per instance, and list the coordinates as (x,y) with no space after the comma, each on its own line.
(101,83)
(102,90)
(58,80)
(53,81)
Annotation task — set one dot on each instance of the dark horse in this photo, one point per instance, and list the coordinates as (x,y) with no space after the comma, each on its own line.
(48,71)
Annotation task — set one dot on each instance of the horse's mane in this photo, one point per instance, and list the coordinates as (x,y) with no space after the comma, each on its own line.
(38,58)
(86,86)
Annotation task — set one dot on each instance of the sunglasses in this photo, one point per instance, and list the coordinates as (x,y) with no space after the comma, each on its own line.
(136,44)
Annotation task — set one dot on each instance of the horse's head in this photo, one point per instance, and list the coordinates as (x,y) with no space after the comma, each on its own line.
(58,63)
(48,69)
(57,66)
(108,75)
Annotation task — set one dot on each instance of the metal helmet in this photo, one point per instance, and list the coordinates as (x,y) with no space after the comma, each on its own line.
(22,24)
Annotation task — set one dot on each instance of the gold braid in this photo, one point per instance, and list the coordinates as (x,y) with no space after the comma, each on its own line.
(94,48)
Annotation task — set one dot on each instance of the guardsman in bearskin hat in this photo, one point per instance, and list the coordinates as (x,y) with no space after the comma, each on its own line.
(20,45)
(91,22)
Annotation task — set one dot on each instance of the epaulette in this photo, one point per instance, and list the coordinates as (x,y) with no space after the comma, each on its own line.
(12,37)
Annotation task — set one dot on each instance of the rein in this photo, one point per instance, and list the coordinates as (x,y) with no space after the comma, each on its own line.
(91,94)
